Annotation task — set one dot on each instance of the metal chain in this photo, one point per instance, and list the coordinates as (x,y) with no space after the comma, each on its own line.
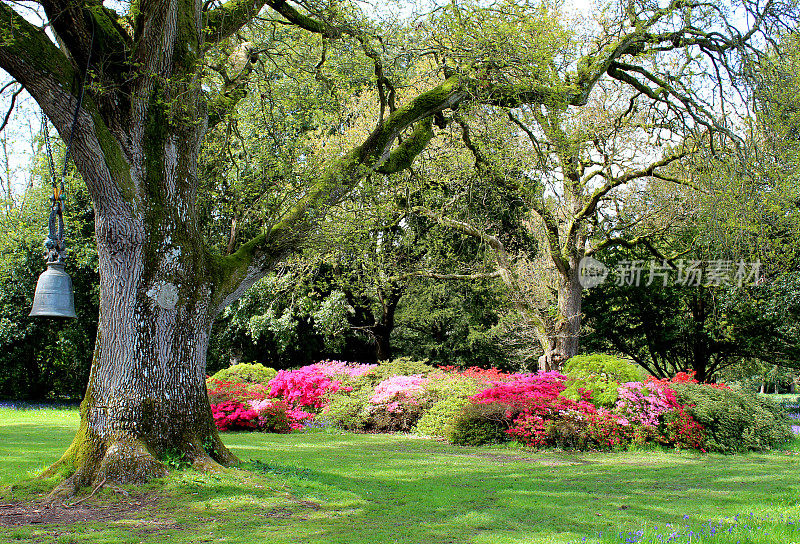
(54,243)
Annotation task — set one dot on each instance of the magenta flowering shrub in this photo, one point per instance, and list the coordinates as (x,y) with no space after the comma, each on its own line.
(643,404)
(304,388)
(231,415)
(526,391)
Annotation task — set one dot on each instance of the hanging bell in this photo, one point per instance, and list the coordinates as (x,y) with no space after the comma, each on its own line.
(53,296)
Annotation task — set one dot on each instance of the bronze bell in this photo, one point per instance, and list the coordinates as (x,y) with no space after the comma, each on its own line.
(53,297)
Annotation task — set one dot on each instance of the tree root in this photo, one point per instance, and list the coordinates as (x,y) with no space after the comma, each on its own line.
(124,460)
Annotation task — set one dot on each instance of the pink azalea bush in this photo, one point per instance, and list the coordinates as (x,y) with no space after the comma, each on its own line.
(397,403)
(643,404)
(340,369)
(398,389)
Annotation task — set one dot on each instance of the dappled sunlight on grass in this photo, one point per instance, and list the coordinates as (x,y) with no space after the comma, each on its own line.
(328,487)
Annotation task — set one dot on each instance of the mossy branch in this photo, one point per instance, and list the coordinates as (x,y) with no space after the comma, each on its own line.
(222,22)
(28,54)
(404,154)
(236,74)
(304,21)
(235,273)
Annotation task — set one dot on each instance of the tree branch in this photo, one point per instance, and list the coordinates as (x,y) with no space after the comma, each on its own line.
(590,207)
(235,75)
(240,270)
(223,22)
(437,276)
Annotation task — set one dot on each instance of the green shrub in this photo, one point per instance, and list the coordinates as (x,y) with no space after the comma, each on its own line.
(450,395)
(734,421)
(599,373)
(403,366)
(478,424)
(435,421)
(246,373)
(349,410)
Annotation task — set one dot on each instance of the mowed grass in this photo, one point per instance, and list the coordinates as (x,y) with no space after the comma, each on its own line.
(330,487)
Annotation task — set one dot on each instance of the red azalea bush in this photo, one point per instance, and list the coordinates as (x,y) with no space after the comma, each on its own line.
(679,429)
(525,391)
(556,423)
(220,391)
(484,376)
(231,415)
(685,377)
(604,431)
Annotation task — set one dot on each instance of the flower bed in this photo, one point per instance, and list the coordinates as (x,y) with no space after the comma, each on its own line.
(477,406)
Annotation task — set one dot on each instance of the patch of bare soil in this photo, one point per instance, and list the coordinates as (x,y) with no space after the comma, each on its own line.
(136,509)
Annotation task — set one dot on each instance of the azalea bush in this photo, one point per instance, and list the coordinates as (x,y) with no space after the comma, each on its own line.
(478,406)
(272,415)
(220,391)
(642,404)
(231,415)
(524,392)
(305,387)
(397,402)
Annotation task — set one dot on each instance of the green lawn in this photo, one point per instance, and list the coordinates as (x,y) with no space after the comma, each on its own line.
(323,487)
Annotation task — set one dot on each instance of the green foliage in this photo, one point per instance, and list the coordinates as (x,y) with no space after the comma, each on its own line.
(175,459)
(478,424)
(402,366)
(599,373)
(450,395)
(350,410)
(734,421)
(246,373)
(434,422)
(454,322)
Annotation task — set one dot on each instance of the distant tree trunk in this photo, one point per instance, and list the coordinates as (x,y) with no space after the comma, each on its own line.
(382,330)
(564,339)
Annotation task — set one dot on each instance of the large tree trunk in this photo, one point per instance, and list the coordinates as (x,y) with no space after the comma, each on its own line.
(146,397)
(138,129)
